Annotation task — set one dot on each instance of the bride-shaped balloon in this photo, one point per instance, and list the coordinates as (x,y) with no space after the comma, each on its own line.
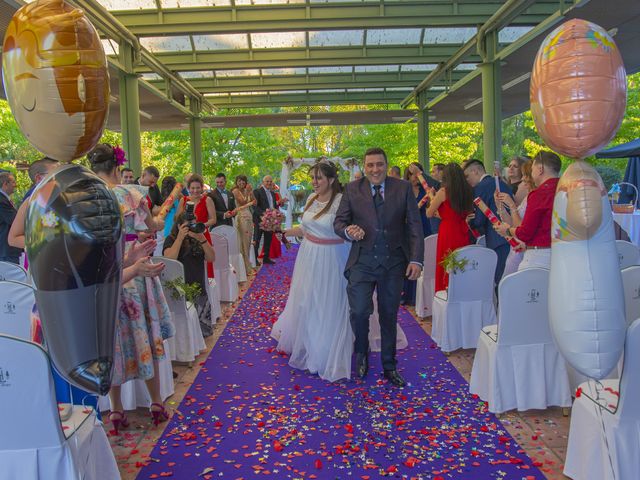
(585,288)
(578,97)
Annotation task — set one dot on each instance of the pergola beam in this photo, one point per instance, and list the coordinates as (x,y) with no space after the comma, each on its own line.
(321,16)
(306,57)
(267,83)
(306,99)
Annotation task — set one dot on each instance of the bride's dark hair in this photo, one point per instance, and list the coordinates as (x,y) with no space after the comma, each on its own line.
(328,170)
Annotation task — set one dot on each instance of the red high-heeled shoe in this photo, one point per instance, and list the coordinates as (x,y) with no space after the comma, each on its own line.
(159,413)
(118,419)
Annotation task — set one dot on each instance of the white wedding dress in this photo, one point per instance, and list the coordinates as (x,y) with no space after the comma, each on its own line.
(314,328)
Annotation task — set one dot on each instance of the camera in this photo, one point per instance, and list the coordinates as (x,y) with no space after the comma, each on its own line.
(190,217)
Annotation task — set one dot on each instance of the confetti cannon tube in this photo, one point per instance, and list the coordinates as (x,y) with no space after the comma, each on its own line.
(493,219)
(168,203)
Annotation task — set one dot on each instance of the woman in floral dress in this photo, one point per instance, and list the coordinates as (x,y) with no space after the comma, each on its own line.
(144,318)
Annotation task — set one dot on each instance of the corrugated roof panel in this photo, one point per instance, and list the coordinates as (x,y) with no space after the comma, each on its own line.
(230,41)
(455,35)
(167,44)
(335,38)
(394,36)
(278,40)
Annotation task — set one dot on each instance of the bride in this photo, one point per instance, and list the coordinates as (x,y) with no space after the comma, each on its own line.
(314,327)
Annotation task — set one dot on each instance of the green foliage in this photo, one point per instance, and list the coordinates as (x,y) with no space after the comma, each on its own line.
(609,175)
(452,263)
(180,289)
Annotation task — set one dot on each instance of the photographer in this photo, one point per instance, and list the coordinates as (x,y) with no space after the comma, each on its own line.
(192,250)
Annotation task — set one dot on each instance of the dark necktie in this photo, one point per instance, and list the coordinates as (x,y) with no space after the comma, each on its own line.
(378,201)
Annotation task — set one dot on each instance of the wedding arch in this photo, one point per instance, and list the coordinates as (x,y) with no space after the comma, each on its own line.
(291,164)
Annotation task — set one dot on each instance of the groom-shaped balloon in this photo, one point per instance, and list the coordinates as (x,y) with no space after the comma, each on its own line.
(379,215)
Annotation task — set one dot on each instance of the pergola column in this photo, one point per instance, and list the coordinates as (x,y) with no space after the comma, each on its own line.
(491,102)
(195,136)
(130,108)
(423,131)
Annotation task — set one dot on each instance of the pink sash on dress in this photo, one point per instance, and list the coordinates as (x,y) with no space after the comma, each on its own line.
(323,241)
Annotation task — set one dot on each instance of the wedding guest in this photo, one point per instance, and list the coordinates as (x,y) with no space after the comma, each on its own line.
(223,201)
(168,184)
(265,199)
(204,211)
(276,245)
(516,213)
(535,229)
(411,174)
(514,178)
(395,172)
(192,250)
(7,215)
(149,179)
(243,195)
(128,178)
(484,187)
(37,171)
(436,171)
(452,203)
(144,319)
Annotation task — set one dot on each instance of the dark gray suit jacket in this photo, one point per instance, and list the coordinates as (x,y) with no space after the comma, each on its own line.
(402,224)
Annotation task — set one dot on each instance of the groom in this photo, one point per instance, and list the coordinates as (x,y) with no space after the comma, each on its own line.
(379,215)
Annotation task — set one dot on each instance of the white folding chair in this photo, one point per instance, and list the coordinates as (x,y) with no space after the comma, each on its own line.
(628,254)
(517,364)
(235,258)
(16,304)
(226,277)
(605,421)
(425,287)
(35,444)
(12,271)
(460,312)
(188,341)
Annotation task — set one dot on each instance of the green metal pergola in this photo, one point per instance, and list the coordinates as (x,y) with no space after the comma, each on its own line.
(179,64)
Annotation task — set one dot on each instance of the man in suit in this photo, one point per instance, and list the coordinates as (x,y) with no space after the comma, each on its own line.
(484,186)
(223,200)
(379,215)
(7,214)
(265,199)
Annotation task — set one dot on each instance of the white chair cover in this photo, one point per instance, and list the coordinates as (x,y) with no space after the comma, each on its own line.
(16,303)
(134,393)
(252,256)
(631,286)
(425,288)
(517,365)
(481,241)
(601,436)
(188,341)
(235,258)
(226,277)
(460,313)
(35,444)
(213,292)
(628,254)
(11,271)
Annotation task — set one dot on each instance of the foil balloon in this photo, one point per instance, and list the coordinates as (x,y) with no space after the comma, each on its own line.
(578,89)
(55,78)
(586,300)
(73,237)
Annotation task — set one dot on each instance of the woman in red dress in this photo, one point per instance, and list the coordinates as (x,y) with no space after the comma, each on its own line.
(452,204)
(205,210)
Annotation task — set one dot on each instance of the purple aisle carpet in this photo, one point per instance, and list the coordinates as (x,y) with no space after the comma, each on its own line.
(249,415)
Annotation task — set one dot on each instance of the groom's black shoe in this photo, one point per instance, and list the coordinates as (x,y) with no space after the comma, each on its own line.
(362,364)
(394,377)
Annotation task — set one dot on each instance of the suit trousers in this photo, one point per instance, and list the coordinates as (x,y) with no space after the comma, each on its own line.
(364,278)
(257,236)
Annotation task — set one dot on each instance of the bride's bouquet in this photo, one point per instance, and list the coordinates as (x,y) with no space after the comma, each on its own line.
(271,221)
